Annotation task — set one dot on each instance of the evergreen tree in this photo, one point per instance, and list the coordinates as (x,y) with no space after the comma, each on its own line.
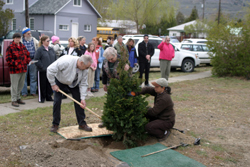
(124,114)
(180,18)
(194,15)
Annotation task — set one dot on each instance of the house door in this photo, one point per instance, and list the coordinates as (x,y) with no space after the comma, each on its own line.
(74,32)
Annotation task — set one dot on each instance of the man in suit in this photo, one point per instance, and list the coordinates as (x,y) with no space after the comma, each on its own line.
(146,51)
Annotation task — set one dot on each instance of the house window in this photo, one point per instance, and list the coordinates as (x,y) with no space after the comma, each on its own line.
(87,28)
(174,34)
(32,23)
(9,1)
(64,27)
(77,3)
(13,24)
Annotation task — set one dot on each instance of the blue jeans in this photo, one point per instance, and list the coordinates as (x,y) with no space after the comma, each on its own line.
(31,71)
(97,78)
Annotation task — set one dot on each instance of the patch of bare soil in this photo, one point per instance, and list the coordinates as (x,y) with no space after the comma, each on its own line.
(94,152)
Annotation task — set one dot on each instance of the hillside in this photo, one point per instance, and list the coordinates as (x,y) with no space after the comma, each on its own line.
(233,8)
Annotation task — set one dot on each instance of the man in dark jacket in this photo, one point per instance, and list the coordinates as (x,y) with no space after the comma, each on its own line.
(146,51)
(161,116)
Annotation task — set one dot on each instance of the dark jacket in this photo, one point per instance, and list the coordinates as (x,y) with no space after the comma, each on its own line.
(163,105)
(143,51)
(106,73)
(17,58)
(83,49)
(76,52)
(44,57)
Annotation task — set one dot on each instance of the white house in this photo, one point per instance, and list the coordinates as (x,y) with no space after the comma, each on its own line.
(126,26)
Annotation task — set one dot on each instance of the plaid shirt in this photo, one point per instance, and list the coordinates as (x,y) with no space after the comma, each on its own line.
(30,47)
(17,58)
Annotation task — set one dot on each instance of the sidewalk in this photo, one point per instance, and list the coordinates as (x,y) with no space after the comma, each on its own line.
(31,104)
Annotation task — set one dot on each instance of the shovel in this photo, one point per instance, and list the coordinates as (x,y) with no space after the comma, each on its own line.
(79,103)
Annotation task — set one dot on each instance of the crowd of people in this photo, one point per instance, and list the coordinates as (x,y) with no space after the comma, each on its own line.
(76,69)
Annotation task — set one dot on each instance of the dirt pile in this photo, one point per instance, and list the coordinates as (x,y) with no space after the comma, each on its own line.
(94,152)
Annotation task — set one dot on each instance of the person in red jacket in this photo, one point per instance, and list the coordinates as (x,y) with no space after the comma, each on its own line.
(166,55)
(17,57)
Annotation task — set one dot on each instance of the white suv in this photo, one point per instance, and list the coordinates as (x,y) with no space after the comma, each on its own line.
(186,61)
(199,49)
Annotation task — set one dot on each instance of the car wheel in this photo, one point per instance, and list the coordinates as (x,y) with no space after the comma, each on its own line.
(187,65)
(136,68)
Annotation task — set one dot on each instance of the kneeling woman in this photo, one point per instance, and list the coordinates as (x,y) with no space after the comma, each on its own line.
(45,56)
(161,116)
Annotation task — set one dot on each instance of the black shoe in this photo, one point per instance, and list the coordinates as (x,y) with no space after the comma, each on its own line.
(165,136)
(101,125)
(42,101)
(54,128)
(85,127)
(19,101)
(15,104)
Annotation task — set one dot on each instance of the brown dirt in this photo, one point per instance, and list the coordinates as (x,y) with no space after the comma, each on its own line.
(86,152)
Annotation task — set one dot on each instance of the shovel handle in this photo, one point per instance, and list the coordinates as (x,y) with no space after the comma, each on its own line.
(161,150)
(79,103)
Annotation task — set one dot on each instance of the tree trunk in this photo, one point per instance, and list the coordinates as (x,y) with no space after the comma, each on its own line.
(27,12)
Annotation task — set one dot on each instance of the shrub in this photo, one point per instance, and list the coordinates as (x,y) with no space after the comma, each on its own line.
(231,51)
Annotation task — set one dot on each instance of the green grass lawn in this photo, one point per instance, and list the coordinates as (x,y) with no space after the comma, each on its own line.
(213,108)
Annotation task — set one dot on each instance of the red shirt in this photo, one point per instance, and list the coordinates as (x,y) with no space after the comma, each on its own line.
(97,52)
(17,58)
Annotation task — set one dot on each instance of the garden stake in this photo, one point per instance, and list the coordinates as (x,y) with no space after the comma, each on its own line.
(79,103)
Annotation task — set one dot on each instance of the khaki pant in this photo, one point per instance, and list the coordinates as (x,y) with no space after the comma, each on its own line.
(91,77)
(17,82)
(165,67)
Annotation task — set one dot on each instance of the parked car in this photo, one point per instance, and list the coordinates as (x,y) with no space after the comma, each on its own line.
(186,61)
(199,49)
(194,40)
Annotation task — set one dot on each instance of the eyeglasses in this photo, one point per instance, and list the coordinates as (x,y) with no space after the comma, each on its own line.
(47,41)
(167,40)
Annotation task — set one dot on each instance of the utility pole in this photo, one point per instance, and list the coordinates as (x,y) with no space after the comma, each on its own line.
(219,12)
(27,12)
(203,7)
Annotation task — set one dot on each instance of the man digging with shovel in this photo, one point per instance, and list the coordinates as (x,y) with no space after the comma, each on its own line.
(70,72)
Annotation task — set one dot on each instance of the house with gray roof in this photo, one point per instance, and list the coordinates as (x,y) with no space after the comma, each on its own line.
(65,18)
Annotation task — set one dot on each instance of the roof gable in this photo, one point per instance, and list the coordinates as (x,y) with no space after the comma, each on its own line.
(53,7)
(47,6)
(181,26)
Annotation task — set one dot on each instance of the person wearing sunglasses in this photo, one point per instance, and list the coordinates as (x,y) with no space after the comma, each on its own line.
(45,56)
(166,55)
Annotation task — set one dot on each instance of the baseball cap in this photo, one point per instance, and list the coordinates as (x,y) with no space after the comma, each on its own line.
(160,82)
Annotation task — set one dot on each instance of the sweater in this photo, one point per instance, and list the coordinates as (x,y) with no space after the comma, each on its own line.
(64,70)
(17,58)
(166,51)
(163,105)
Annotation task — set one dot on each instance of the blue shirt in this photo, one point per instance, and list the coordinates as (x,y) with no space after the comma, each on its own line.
(30,47)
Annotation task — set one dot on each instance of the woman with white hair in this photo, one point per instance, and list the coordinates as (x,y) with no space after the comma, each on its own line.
(72,48)
(110,64)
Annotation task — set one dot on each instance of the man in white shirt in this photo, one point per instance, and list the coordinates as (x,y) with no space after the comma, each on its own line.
(70,72)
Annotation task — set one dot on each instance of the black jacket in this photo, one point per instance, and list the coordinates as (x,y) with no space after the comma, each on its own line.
(44,57)
(76,52)
(143,51)
(83,49)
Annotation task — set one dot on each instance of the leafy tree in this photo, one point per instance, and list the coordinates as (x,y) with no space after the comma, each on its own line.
(194,15)
(101,6)
(139,11)
(123,114)
(6,16)
(180,18)
(196,28)
(230,49)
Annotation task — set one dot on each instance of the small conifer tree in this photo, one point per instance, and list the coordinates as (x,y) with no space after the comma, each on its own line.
(124,114)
